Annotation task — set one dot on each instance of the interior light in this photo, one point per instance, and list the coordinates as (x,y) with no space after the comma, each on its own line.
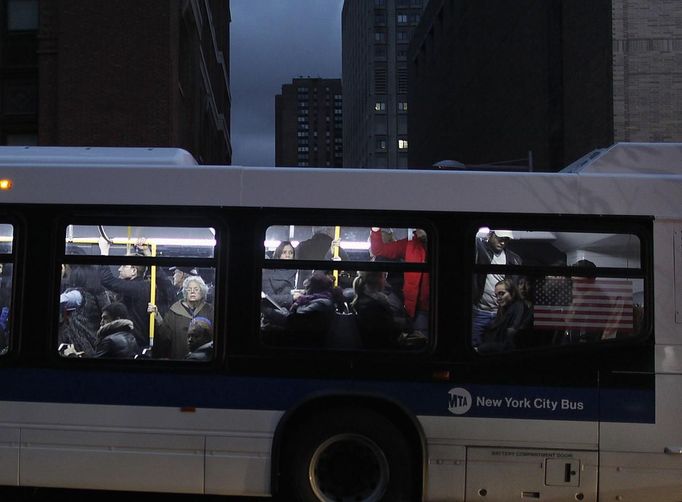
(5,184)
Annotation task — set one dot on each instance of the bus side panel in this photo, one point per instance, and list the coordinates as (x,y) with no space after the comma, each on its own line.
(238,465)
(109,460)
(9,456)
(644,461)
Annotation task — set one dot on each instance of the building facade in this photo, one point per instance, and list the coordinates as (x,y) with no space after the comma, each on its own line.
(375,39)
(546,81)
(125,73)
(309,123)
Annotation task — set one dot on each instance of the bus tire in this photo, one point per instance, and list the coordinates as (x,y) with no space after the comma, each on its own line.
(346,454)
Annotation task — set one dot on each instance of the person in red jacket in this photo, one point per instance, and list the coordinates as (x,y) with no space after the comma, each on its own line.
(416,284)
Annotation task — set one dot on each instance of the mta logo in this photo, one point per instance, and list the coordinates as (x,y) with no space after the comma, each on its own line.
(459,401)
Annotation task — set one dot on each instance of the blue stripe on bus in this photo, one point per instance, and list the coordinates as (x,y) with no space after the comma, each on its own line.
(260,393)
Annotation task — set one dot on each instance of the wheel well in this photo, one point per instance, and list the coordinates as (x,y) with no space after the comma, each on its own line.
(394,412)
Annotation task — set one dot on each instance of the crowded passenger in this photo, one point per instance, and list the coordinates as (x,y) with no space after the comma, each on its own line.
(416,284)
(308,320)
(279,284)
(132,289)
(200,339)
(381,322)
(170,338)
(321,246)
(511,319)
(491,251)
(77,309)
(116,335)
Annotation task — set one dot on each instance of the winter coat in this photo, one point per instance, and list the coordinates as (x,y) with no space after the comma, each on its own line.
(278,283)
(135,295)
(170,337)
(116,340)
(79,326)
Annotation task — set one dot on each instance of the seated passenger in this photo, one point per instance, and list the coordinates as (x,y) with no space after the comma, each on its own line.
(379,321)
(279,283)
(200,339)
(511,319)
(310,316)
(116,337)
(170,339)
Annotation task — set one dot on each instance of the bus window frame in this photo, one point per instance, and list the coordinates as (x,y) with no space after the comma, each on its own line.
(342,218)
(640,227)
(14,329)
(165,217)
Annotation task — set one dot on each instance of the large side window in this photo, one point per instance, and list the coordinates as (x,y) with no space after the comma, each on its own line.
(547,288)
(137,292)
(6,270)
(346,288)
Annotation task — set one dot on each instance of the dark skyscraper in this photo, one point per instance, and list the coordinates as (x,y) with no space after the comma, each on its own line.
(375,38)
(308,123)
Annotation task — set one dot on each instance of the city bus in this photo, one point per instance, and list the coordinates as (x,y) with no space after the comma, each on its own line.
(362,364)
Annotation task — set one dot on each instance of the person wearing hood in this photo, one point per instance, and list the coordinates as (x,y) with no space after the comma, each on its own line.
(116,336)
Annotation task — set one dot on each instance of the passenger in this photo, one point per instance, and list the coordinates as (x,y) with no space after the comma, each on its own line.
(5,304)
(380,323)
(510,320)
(77,307)
(116,335)
(416,284)
(526,288)
(308,320)
(179,276)
(200,339)
(319,247)
(491,251)
(170,340)
(132,289)
(279,283)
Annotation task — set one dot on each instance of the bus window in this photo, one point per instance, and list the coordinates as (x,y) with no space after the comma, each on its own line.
(348,288)
(151,297)
(550,288)
(6,269)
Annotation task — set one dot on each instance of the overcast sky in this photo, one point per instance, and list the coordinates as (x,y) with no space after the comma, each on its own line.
(271,42)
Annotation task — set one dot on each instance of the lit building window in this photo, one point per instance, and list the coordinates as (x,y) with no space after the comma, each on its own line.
(402,144)
(402,106)
(379,106)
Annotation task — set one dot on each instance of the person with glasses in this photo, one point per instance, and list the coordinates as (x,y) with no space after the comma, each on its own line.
(171,340)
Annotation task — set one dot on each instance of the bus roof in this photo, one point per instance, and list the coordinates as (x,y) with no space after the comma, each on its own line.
(645,192)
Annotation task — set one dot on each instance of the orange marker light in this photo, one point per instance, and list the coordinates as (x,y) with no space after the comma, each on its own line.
(5,184)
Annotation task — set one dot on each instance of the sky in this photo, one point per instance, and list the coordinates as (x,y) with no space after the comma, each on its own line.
(272,42)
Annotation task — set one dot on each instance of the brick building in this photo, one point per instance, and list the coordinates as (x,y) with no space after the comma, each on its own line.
(124,73)
(492,80)
(309,123)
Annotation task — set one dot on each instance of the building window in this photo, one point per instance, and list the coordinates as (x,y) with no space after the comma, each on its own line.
(403,36)
(402,106)
(379,106)
(402,144)
(380,36)
(381,144)
(380,3)
(402,18)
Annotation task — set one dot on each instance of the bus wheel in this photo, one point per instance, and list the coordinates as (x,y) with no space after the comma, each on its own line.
(349,455)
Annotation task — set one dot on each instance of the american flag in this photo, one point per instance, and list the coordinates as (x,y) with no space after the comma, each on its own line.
(583,303)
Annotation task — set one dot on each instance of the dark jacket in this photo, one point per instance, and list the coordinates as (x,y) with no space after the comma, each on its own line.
(379,325)
(170,337)
(484,256)
(416,284)
(79,326)
(318,247)
(116,340)
(203,353)
(278,283)
(135,295)
(507,327)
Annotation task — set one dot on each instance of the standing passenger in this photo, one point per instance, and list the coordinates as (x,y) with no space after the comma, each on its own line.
(116,335)
(491,251)
(416,284)
(171,339)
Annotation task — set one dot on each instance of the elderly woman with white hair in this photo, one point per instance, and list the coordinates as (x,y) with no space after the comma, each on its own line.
(171,339)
